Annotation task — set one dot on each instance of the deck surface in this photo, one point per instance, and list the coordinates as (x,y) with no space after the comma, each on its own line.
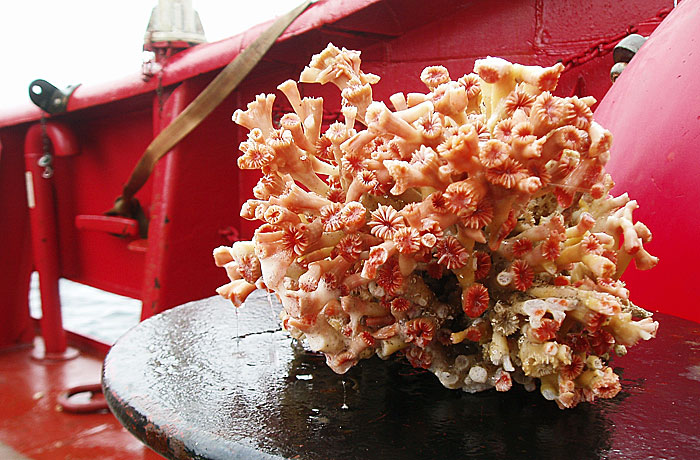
(31,427)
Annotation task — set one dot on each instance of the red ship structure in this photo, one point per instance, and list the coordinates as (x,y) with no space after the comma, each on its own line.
(64,161)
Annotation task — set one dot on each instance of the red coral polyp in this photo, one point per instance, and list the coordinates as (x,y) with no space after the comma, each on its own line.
(330,217)
(459,198)
(401,305)
(592,245)
(547,110)
(551,248)
(350,247)
(519,100)
(521,247)
(507,173)
(483,265)
(294,240)
(523,275)
(434,76)
(470,83)
(419,358)
(450,253)
(385,221)
(479,216)
(547,330)
(389,277)
(476,300)
(494,153)
(504,382)
(353,216)
(408,240)
(573,370)
(255,155)
(504,130)
(354,163)
(420,331)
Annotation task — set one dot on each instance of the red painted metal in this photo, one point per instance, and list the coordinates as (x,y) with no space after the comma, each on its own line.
(653,111)
(606,45)
(118,226)
(193,197)
(42,215)
(34,425)
(156,285)
(15,324)
(195,192)
(95,403)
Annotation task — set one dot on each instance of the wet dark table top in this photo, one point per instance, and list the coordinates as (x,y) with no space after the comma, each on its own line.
(202,381)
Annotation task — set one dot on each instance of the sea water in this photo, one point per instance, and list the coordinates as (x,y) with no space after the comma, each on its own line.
(88,311)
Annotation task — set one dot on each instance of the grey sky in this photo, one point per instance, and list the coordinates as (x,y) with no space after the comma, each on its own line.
(83,41)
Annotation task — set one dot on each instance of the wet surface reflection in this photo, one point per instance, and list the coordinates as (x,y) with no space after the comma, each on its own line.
(180,380)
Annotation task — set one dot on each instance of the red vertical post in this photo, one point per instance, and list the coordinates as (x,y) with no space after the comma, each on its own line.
(42,216)
(166,108)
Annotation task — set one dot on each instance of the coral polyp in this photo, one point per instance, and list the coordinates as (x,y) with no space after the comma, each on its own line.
(469,230)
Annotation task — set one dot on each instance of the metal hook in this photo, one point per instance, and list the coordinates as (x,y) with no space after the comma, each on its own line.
(48,172)
(45,160)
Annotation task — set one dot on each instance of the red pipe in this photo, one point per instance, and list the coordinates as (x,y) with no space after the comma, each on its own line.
(42,215)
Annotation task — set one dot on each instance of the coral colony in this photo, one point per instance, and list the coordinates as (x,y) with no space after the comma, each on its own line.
(469,230)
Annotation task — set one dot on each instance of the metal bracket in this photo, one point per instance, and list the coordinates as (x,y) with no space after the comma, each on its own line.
(628,47)
(49,98)
(623,53)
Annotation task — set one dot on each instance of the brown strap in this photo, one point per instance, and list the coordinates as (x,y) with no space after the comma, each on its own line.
(201,107)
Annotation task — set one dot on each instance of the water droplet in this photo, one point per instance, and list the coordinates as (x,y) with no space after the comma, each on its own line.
(272,310)
(344,406)
(273,349)
(238,333)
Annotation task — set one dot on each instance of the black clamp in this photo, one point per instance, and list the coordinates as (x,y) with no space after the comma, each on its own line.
(49,98)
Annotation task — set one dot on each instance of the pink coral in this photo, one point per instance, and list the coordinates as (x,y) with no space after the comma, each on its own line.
(471,229)
(507,173)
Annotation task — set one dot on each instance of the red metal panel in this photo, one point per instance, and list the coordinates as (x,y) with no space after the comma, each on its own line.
(119,226)
(157,271)
(194,197)
(111,139)
(590,19)
(15,259)
(479,29)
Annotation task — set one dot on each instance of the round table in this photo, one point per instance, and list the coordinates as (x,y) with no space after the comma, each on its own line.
(204,381)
